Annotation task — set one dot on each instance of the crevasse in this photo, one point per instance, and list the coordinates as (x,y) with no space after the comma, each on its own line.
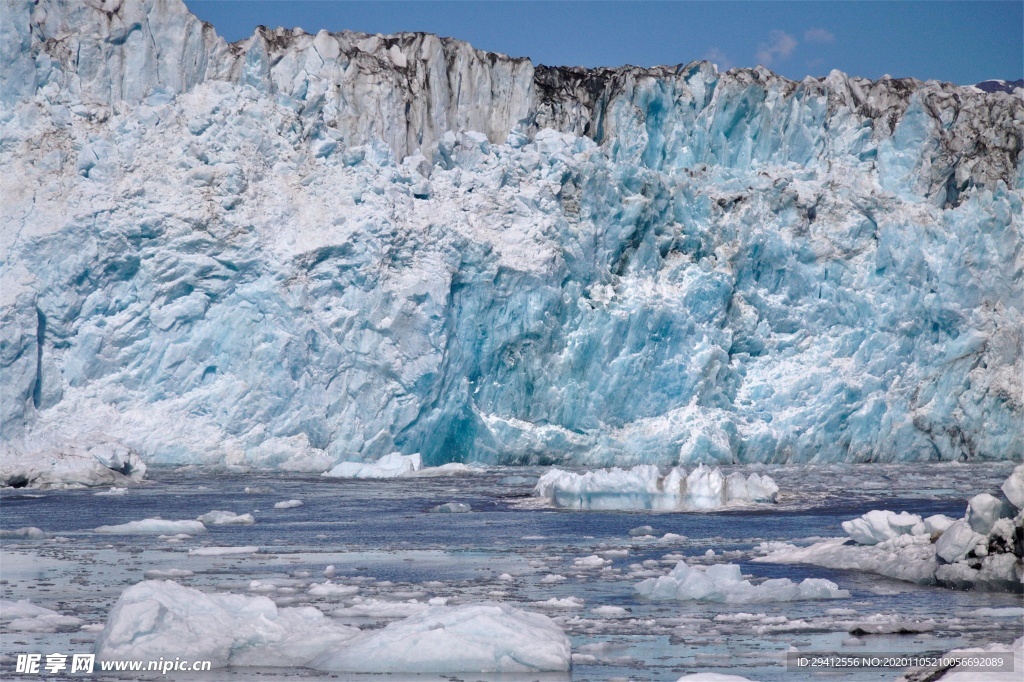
(298,250)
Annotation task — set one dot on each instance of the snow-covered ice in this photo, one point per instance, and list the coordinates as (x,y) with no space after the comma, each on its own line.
(725,583)
(645,487)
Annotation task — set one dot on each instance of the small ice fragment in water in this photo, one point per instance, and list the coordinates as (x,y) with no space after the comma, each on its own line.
(288,504)
(451,508)
(226,518)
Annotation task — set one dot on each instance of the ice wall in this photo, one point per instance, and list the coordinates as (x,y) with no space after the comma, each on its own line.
(297,249)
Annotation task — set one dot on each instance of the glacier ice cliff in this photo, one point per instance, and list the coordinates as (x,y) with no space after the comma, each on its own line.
(302,249)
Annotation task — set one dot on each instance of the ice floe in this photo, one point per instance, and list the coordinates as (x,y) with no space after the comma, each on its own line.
(288,504)
(165,526)
(725,583)
(645,487)
(226,518)
(24,616)
(452,508)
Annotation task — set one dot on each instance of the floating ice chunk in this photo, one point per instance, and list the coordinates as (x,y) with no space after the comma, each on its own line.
(506,577)
(566,604)
(1006,612)
(330,571)
(713,677)
(164,526)
(552,579)
(288,504)
(452,508)
(329,590)
(394,465)
(24,616)
(984,510)
(592,561)
(725,583)
(164,619)
(607,611)
(223,551)
(479,638)
(644,487)
(112,492)
(226,518)
(26,533)
(641,531)
(1013,487)
(878,526)
(164,574)
(450,469)
(957,542)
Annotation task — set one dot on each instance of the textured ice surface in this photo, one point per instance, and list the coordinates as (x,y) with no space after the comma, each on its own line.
(982,550)
(725,583)
(155,619)
(235,254)
(645,487)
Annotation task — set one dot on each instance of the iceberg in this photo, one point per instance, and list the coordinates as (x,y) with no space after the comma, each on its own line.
(338,246)
(156,619)
(24,616)
(288,504)
(725,583)
(394,465)
(645,487)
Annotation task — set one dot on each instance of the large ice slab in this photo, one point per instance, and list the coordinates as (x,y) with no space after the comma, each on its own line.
(645,487)
(156,619)
(725,583)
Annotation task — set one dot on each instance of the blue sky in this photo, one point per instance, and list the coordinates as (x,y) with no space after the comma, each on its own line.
(962,42)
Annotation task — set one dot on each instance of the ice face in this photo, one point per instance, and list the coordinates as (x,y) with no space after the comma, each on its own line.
(644,487)
(302,250)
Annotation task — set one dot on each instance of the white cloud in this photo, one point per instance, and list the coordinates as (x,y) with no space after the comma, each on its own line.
(719,58)
(819,35)
(780,46)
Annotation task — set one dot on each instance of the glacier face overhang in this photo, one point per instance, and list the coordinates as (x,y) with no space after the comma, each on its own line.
(299,249)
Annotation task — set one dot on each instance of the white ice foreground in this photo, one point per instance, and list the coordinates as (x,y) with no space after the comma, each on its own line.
(724,583)
(644,487)
(156,619)
(395,465)
(979,551)
(954,675)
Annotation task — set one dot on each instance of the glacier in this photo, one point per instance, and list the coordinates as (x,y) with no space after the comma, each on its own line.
(300,250)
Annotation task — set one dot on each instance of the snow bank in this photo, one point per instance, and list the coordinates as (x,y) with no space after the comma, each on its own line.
(164,526)
(981,550)
(163,619)
(725,583)
(644,487)
(226,518)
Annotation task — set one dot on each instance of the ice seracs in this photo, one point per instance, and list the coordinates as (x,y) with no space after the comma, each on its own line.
(725,583)
(156,619)
(982,550)
(645,487)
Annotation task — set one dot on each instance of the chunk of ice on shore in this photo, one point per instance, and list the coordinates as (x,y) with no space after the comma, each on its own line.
(479,638)
(288,504)
(880,525)
(725,583)
(164,526)
(226,518)
(644,487)
(394,465)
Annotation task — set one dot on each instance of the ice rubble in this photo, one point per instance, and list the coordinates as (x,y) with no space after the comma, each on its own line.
(394,465)
(982,550)
(156,619)
(303,249)
(725,583)
(645,487)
